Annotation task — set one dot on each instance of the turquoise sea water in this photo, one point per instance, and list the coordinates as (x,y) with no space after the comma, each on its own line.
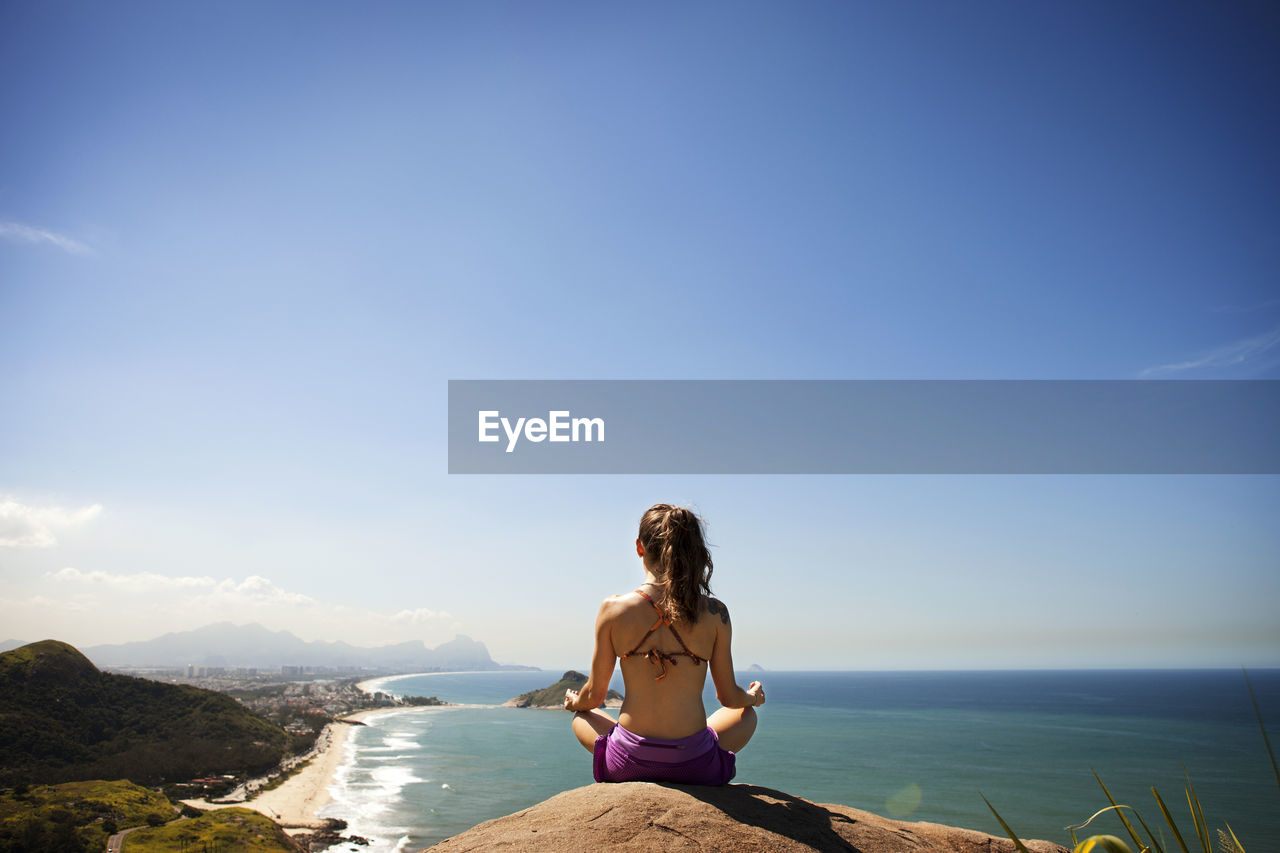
(913,745)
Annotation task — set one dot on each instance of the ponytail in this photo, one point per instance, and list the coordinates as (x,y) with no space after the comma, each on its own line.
(677,553)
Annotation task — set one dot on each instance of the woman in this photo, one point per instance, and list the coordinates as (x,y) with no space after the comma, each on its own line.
(666,633)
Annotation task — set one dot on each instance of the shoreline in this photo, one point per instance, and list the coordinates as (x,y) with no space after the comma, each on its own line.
(294,804)
(363,686)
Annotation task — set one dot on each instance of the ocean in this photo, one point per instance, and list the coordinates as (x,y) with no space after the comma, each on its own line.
(910,745)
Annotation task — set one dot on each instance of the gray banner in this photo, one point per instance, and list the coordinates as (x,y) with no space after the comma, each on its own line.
(863,427)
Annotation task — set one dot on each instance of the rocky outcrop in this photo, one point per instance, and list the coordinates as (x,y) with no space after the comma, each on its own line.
(643,816)
(552,698)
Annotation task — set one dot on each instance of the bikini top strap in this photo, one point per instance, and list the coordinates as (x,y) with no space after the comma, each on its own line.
(663,620)
(695,658)
(662,617)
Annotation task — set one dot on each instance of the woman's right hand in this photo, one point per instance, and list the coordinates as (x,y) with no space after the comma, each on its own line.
(570,699)
(756,692)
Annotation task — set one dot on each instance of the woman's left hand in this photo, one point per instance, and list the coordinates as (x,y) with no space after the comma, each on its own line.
(570,699)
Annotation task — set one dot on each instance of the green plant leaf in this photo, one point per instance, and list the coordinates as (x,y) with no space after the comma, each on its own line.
(1115,808)
(1107,843)
(1017,841)
(1197,815)
(1133,833)
(1239,846)
(1258,712)
(1169,820)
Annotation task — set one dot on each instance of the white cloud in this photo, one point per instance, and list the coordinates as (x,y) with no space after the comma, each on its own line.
(420,615)
(1229,355)
(37,602)
(253,590)
(86,607)
(16,232)
(24,526)
(258,590)
(138,580)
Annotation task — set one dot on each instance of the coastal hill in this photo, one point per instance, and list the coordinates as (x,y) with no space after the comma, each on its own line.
(75,815)
(552,697)
(643,816)
(62,720)
(223,829)
(252,645)
(82,816)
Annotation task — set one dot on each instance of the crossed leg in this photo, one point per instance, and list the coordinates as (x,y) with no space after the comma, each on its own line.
(734,727)
(589,725)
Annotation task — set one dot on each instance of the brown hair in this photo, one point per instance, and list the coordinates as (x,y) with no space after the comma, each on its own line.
(674,549)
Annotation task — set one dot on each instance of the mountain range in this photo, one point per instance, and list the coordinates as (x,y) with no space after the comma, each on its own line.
(225,644)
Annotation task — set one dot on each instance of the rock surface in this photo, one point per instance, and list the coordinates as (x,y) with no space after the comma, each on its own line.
(644,816)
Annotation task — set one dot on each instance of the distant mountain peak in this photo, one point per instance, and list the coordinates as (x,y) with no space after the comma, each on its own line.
(226,644)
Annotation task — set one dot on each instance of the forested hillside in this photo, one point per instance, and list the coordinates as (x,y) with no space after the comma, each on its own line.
(62,720)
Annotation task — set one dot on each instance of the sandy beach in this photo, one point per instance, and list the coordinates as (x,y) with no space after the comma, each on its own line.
(294,804)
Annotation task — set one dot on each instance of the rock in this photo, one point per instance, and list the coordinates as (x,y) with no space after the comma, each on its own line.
(552,697)
(644,816)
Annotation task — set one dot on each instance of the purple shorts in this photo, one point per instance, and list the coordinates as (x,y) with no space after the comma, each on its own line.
(623,756)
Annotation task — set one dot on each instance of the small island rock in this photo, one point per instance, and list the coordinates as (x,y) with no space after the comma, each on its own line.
(552,697)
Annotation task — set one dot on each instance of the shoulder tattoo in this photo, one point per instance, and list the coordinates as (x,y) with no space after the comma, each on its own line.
(719,609)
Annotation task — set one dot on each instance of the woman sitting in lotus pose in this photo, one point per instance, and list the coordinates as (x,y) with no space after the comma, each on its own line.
(666,633)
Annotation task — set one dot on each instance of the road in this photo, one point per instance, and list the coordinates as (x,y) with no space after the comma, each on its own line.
(115,842)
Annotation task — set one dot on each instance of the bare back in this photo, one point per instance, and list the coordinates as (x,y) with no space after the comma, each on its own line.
(665,672)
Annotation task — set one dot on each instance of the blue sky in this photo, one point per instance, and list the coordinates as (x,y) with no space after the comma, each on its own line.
(244,246)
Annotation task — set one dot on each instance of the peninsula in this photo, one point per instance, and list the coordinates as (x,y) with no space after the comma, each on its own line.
(552,697)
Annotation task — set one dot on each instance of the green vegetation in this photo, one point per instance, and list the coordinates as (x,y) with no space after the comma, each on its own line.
(280,778)
(1111,844)
(239,830)
(63,720)
(74,817)
(303,728)
(1227,840)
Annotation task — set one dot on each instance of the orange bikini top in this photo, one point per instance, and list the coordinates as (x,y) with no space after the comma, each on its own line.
(656,655)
